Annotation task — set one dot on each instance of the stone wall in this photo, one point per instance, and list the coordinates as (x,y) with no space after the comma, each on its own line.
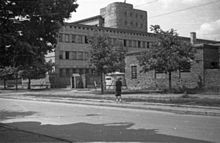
(151,80)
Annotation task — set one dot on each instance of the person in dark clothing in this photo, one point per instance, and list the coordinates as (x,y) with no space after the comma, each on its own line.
(118,86)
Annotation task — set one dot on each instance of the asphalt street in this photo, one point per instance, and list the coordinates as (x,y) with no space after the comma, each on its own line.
(76,122)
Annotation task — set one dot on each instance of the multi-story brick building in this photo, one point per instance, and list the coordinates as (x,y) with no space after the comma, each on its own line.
(119,21)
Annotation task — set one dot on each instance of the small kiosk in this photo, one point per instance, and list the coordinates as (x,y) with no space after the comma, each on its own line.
(111,78)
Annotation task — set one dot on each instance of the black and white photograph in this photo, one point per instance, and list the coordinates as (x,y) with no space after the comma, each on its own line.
(109,71)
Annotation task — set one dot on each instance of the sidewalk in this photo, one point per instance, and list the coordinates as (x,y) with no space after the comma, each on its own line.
(87,97)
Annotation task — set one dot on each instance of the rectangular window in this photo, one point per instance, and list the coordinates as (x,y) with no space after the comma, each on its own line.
(134,43)
(129,43)
(60,37)
(86,56)
(67,72)
(139,44)
(133,72)
(67,55)
(125,43)
(67,36)
(141,25)
(114,41)
(61,73)
(148,44)
(79,39)
(211,57)
(61,55)
(80,55)
(74,55)
(86,40)
(73,38)
(185,67)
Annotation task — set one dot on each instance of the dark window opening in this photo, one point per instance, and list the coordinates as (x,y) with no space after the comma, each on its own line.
(61,55)
(214,65)
(86,40)
(185,67)
(148,44)
(211,57)
(125,43)
(139,44)
(133,72)
(67,55)
(73,38)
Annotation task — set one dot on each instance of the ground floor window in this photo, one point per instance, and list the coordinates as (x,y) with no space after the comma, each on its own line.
(133,72)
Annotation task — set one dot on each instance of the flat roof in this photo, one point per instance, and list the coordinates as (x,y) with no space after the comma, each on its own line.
(88,19)
(130,31)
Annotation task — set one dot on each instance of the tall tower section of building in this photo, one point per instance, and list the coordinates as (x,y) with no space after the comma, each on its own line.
(124,16)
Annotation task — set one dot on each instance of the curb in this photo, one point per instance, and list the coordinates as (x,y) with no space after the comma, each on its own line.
(146,106)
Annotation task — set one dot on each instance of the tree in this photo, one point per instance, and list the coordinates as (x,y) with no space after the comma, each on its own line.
(7,73)
(30,24)
(169,53)
(106,57)
(37,70)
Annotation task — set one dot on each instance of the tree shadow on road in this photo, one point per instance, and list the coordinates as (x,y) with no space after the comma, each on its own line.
(113,132)
(4,115)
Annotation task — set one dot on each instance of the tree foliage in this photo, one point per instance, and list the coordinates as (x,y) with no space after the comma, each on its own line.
(28,29)
(106,57)
(169,53)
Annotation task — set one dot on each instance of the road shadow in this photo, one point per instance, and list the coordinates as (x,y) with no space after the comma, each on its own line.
(113,132)
(4,115)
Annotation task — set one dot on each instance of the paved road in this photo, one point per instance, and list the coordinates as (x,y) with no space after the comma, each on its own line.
(75,122)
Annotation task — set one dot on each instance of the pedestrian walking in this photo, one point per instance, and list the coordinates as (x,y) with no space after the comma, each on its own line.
(118,86)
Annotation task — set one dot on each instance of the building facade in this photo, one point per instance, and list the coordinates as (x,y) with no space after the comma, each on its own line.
(120,22)
(204,71)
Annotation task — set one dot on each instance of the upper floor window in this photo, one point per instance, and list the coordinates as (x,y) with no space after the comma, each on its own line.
(139,44)
(60,37)
(86,40)
(67,55)
(130,43)
(79,39)
(141,16)
(125,43)
(80,55)
(73,38)
(148,44)
(141,25)
(67,36)
(61,55)
(74,55)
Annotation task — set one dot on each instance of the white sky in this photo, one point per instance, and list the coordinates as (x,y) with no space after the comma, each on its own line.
(200,16)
